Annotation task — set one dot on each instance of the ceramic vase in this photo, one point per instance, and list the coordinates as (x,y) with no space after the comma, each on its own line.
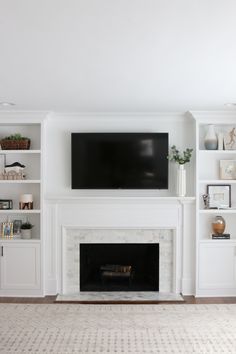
(181,181)
(211,141)
(218,225)
(26,234)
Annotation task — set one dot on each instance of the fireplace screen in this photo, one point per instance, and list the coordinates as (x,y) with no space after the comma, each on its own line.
(119,267)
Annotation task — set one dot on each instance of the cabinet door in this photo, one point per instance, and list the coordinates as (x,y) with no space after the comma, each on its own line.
(217,266)
(20,266)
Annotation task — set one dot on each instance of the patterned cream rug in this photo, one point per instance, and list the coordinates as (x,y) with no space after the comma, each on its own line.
(71,328)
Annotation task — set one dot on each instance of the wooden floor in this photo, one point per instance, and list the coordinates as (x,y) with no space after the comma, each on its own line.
(187,300)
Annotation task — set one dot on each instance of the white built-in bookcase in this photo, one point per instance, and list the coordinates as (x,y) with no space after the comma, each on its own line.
(21,261)
(215,259)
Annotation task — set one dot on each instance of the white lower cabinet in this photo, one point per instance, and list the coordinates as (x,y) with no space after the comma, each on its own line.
(217,268)
(20,267)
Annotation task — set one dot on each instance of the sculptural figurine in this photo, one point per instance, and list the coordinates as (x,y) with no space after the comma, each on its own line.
(232,137)
(205,198)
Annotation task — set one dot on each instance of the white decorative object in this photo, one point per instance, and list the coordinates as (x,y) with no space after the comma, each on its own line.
(228,169)
(220,141)
(181,181)
(16,167)
(26,201)
(211,141)
(230,139)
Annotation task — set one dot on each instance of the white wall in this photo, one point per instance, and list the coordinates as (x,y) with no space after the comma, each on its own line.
(58,147)
(118,55)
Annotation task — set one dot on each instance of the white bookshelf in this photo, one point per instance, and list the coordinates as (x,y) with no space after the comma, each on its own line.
(214,258)
(20,250)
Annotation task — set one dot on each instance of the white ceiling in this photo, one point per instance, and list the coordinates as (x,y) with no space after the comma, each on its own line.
(118,55)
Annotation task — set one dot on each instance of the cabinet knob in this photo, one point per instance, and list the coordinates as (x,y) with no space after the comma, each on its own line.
(2,251)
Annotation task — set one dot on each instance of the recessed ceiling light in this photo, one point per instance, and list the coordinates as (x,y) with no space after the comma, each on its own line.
(230,104)
(7,104)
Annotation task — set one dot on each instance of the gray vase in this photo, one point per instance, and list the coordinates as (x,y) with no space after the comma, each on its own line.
(26,234)
(211,141)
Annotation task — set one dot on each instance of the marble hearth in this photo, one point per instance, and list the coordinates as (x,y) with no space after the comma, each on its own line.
(73,237)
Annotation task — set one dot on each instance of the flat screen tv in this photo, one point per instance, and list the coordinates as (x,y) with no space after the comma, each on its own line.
(119,160)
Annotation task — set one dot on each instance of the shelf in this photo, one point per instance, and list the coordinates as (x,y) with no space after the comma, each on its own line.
(217,181)
(217,211)
(232,240)
(122,197)
(9,152)
(17,211)
(34,240)
(217,151)
(21,181)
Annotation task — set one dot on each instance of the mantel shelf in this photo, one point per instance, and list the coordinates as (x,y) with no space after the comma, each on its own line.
(117,198)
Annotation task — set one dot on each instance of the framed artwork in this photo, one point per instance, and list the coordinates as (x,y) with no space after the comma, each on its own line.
(17,227)
(228,169)
(230,139)
(6,204)
(7,229)
(219,196)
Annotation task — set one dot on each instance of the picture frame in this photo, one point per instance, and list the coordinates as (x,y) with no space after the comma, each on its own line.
(17,227)
(227,169)
(7,229)
(6,204)
(230,139)
(219,196)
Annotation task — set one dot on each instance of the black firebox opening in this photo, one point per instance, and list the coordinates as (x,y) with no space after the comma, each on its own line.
(119,267)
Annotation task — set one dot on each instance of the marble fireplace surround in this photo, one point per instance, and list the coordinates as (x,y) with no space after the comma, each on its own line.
(73,237)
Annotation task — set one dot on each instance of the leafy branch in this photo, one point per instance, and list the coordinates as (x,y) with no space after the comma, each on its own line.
(178,157)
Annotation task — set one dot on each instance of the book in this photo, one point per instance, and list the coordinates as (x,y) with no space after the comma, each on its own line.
(220,237)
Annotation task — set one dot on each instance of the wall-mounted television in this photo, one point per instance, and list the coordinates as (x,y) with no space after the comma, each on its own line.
(119,160)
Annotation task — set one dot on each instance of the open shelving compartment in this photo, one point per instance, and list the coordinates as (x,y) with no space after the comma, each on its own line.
(32,184)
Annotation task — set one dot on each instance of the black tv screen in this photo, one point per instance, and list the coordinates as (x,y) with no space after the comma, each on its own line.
(119,160)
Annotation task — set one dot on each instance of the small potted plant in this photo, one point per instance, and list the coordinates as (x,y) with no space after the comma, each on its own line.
(181,158)
(26,229)
(15,142)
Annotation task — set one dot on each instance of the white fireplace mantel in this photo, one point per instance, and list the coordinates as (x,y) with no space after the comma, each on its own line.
(172,213)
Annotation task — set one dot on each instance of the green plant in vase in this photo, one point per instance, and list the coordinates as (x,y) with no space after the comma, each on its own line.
(181,158)
(26,230)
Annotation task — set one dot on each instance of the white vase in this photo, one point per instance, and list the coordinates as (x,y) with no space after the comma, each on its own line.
(181,181)
(211,140)
(26,234)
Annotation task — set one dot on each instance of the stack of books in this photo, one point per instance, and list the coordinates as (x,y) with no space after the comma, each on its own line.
(220,237)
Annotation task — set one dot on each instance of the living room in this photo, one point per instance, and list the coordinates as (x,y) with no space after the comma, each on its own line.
(117,177)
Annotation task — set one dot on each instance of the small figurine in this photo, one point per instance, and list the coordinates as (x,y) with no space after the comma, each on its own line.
(205,198)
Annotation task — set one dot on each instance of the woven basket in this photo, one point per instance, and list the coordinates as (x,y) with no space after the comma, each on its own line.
(23,144)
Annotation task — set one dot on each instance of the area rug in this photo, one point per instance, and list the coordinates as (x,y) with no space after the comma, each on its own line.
(70,328)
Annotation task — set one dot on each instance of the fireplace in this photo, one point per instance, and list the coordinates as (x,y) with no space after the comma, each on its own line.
(160,241)
(119,267)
